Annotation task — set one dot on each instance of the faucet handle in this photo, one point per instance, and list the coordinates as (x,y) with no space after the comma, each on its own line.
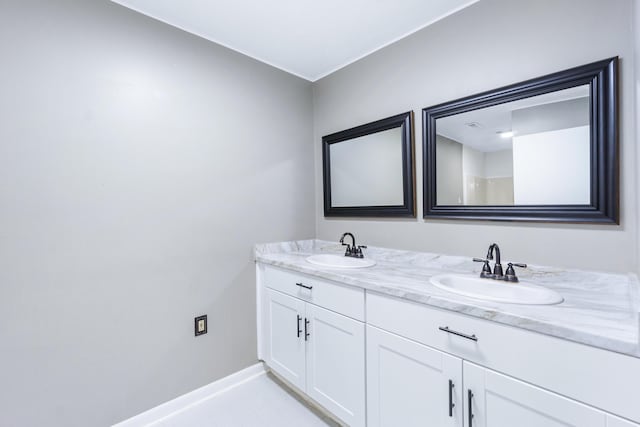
(510,274)
(486,268)
(349,250)
(357,251)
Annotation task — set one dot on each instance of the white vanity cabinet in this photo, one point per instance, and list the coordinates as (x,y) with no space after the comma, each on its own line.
(427,366)
(336,364)
(495,400)
(543,381)
(286,346)
(409,384)
(316,349)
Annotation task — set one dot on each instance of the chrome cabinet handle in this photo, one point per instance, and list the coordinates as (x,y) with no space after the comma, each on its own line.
(298,326)
(460,334)
(470,402)
(304,286)
(451,404)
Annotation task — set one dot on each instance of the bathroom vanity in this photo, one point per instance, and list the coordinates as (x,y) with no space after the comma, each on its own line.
(383,346)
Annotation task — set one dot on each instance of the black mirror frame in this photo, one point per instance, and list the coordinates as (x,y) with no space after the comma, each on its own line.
(407,209)
(602,77)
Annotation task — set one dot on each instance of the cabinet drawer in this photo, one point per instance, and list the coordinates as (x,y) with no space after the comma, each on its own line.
(422,323)
(590,375)
(339,298)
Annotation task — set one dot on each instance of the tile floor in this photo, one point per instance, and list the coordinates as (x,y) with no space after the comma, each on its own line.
(260,402)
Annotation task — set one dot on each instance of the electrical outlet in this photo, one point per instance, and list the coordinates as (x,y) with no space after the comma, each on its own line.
(200,325)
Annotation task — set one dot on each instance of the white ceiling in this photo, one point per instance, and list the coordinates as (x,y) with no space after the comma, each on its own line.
(310,39)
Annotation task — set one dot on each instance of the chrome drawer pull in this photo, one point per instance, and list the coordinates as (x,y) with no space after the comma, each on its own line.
(304,286)
(460,334)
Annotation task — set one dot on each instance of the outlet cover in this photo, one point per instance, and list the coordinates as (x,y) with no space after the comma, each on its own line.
(200,325)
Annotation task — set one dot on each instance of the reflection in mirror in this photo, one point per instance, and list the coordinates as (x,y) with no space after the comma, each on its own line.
(545,149)
(368,170)
(534,151)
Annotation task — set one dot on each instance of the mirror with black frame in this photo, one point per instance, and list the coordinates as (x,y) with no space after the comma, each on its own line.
(541,150)
(368,170)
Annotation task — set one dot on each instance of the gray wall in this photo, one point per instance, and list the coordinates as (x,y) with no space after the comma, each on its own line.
(138,167)
(490,44)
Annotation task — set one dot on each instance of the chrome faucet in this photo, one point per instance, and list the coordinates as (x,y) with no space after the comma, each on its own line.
(352,249)
(498,274)
(497,268)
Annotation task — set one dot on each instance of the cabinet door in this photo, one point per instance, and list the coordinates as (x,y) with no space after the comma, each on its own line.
(409,384)
(285,337)
(496,400)
(335,364)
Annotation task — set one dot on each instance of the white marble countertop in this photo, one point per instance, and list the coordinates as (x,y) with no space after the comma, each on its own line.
(599,309)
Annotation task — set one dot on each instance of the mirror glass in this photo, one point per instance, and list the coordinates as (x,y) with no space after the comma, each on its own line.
(367,171)
(545,149)
(532,151)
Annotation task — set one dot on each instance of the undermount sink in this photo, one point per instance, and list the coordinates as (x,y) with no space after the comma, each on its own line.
(339,261)
(497,290)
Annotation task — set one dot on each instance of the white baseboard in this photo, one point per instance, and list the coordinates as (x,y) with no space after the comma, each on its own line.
(193,398)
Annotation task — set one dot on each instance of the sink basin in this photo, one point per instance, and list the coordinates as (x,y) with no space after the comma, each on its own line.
(339,261)
(497,290)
